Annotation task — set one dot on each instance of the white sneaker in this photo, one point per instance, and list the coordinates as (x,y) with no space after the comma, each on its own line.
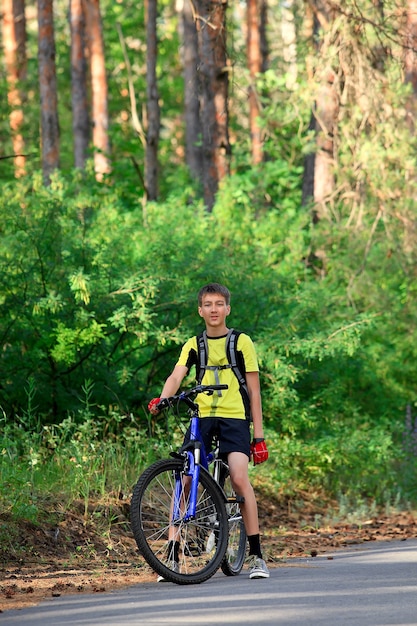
(174,566)
(257,567)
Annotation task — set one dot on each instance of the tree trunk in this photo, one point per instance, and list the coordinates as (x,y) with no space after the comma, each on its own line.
(263,23)
(255,65)
(80,118)
(410,62)
(48,89)
(289,40)
(193,135)
(152,104)
(318,183)
(325,114)
(14,41)
(99,90)
(308,172)
(214,84)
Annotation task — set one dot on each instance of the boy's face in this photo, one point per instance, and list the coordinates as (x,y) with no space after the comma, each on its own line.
(214,310)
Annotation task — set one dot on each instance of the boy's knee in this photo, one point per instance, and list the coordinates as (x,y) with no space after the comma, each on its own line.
(241,483)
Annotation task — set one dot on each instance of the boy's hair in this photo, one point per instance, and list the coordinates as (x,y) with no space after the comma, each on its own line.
(214,288)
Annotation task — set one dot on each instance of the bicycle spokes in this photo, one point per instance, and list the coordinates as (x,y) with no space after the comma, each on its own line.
(161,515)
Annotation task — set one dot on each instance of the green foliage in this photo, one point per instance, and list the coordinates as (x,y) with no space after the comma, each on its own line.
(80,458)
(98,291)
(99,295)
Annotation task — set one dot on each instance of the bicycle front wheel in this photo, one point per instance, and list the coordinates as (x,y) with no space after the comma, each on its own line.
(236,550)
(201,542)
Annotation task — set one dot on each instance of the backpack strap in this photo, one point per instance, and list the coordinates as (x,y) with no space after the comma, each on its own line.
(232,357)
(238,366)
(231,352)
(202,347)
(202,356)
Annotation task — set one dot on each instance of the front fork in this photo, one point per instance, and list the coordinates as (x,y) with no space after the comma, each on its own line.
(196,458)
(186,489)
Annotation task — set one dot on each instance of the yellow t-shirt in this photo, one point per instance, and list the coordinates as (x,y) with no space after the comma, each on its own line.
(230,402)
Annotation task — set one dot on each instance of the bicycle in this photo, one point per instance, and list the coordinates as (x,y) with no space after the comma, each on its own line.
(178,500)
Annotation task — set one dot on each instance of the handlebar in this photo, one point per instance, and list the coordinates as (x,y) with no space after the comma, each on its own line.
(185,396)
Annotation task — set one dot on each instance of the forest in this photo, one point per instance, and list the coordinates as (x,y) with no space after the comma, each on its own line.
(148,148)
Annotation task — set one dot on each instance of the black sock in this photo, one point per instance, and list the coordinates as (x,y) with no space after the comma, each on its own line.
(255,545)
(173,550)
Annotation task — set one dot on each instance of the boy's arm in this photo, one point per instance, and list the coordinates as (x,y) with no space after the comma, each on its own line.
(259,451)
(171,386)
(174,380)
(254,390)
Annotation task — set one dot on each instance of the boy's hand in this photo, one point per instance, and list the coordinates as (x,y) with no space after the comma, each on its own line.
(259,451)
(152,406)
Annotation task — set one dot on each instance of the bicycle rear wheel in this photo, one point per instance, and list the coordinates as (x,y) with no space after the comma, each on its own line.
(202,541)
(236,550)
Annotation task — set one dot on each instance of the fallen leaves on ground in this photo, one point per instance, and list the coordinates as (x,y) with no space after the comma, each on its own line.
(82,554)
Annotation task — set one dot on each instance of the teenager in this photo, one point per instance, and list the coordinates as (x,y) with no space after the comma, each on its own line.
(226,412)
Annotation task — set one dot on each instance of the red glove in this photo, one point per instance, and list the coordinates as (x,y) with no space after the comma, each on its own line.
(152,405)
(259,451)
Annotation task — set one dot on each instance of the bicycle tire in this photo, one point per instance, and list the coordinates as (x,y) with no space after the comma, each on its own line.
(234,559)
(202,540)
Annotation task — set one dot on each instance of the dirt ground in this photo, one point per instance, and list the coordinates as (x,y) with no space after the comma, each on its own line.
(97,553)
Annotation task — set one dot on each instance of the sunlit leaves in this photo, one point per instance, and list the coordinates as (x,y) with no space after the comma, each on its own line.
(79,285)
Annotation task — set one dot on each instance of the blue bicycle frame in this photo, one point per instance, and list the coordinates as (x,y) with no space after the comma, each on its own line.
(196,457)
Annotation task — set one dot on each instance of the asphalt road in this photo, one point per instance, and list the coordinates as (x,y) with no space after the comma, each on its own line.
(369,585)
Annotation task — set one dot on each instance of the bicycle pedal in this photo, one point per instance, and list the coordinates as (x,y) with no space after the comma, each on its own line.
(234,499)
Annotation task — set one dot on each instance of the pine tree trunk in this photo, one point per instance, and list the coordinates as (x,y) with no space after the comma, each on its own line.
(325,115)
(410,62)
(318,184)
(263,23)
(48,89)
(308,172)
(193,135)
(14,41)
(289,41)
(152,104)
(80,118)
(214,84)
(255,65)
(99,89)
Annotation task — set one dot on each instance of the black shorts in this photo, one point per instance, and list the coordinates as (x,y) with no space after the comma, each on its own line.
(233,435)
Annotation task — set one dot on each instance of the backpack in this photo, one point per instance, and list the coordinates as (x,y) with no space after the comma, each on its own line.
(235,362)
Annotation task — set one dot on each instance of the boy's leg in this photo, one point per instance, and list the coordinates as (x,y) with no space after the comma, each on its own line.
(234,439)
(238,467)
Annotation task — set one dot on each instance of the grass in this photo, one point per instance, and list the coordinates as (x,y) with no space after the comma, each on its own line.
(71,461)
(96,459)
